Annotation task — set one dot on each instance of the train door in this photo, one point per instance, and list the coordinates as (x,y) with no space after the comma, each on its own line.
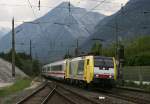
(88,73)
(67,69)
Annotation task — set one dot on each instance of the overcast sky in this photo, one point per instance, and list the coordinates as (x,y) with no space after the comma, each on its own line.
(22,11)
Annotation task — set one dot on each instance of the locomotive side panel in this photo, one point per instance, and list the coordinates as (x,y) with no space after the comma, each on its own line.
(76,68)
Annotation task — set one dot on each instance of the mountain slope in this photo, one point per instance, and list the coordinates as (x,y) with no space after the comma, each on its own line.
(3,31)
(6,72)
(53,33)
(131,22)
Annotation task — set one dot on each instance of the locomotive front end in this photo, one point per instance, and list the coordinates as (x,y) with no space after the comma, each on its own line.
(104,70)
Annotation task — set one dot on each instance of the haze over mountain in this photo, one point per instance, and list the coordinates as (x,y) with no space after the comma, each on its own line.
(53,33)
(131,21)
(3,31)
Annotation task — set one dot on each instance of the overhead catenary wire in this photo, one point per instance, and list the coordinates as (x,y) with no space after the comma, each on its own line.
(93,8)
(40,27)
(42,31)
(39,23)
(30,3)
(48,21)
(31,6)
(50,7)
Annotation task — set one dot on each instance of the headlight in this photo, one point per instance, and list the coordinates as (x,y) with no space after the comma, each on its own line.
(97,75)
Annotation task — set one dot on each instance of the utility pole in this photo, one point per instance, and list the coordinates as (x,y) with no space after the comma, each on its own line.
(116,36)
(13,48)
(69,10)
(119,50)
(68,53)
(39,5)
(69,7)
(77,48)
(31,56)
(31,49)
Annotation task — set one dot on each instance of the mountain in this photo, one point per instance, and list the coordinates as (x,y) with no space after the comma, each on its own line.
(3,31)
(54,33)
(130,20)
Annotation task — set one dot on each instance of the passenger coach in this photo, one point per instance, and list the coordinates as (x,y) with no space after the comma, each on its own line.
(55,70)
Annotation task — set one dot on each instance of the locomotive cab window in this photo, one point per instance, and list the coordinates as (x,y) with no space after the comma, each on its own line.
(103,62)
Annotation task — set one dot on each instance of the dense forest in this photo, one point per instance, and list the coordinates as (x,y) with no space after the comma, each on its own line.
(136,51)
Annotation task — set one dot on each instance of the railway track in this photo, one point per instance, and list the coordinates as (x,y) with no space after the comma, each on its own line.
(115,94)
(53,94)
(39,96)
(75,97)
(133,99)
(56,93)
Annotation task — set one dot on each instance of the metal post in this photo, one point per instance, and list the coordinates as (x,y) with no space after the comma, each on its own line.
(140,76)
(39,5)
(13,49)
(31,55)
(67,52)
(116,36)
(31,49)
(69,8)
(77,48)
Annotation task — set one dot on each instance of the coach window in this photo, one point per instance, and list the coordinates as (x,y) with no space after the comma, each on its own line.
(80,67)
(48,68)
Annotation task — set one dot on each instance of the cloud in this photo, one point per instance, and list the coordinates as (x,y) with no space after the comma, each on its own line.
(21,10)
(107,7)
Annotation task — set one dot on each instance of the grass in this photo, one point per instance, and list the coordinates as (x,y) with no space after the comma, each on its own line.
(145,87)
(19,85)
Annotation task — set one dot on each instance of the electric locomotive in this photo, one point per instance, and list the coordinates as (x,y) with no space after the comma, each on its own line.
(85,70)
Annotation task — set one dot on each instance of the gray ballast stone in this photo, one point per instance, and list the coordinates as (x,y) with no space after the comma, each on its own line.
(6,72)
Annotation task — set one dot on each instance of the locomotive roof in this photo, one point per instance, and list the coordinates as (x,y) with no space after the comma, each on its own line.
(58,62)
(104,57)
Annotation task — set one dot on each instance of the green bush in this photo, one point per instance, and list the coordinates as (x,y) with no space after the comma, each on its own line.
(137,51)
(19,85)
(30,66)
(141,59)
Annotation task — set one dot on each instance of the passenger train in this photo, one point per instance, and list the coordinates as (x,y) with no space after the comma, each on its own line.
(85,70)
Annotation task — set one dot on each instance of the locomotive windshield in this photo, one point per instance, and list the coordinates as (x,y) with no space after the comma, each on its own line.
(102,62)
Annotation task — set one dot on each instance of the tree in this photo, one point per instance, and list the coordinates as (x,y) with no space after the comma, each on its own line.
(23,61)
(67,56)
(96,48)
